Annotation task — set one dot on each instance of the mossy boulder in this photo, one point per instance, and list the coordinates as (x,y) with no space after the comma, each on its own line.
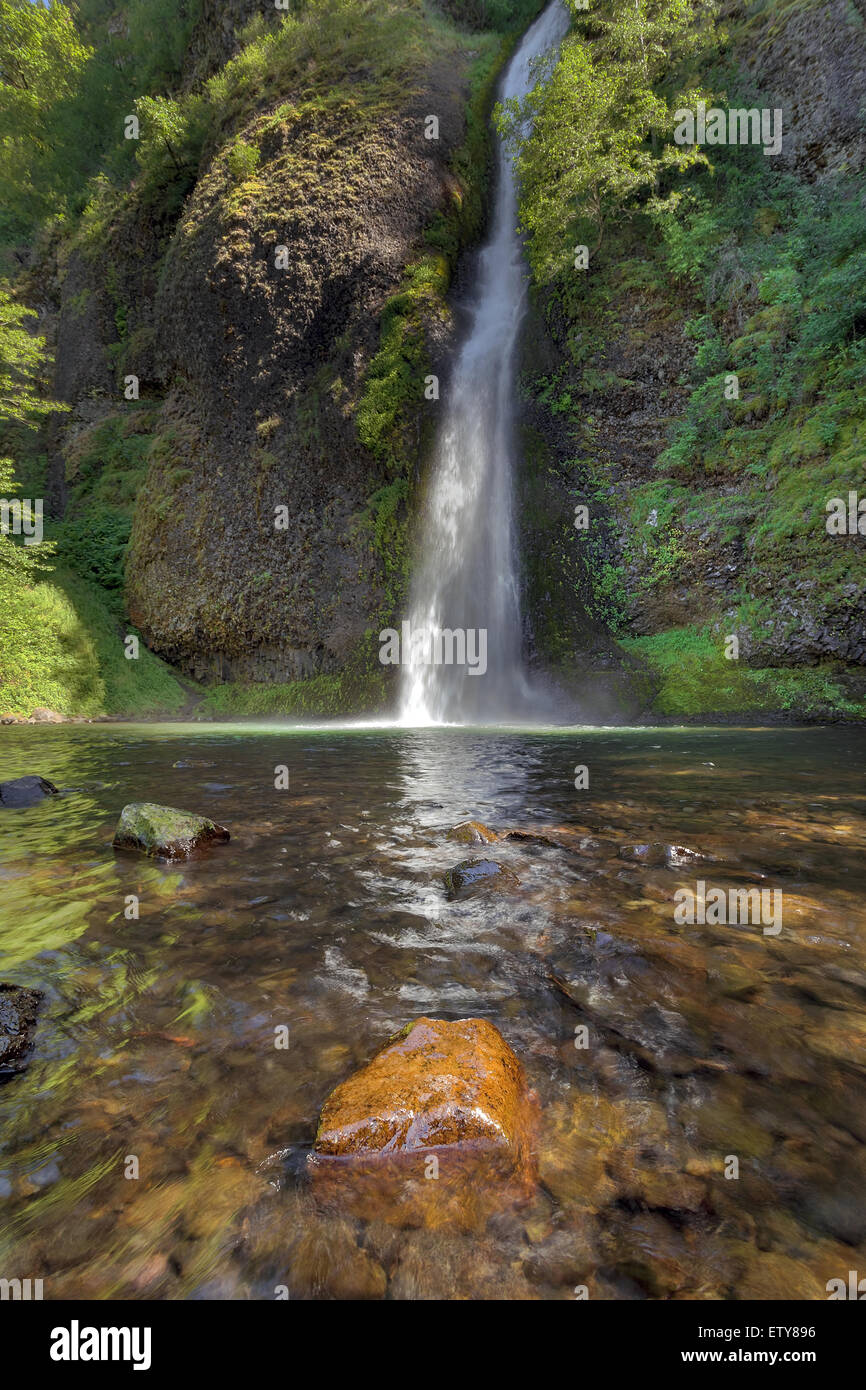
(472,832)
(163,832)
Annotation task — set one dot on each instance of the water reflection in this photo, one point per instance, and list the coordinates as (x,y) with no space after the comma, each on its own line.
(327,914)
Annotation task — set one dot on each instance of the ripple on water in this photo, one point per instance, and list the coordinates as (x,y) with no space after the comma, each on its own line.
(327,917)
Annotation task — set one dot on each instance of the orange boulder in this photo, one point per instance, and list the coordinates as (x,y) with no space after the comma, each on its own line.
(434,1128)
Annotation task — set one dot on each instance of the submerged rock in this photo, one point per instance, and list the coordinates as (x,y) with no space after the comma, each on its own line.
(652,854)
(326,1262)
(18,1009)
(472,874)
(439,1111)
(671,856)
(435,1083)
(26,791)
(472,832)
(573,838)
(164,832)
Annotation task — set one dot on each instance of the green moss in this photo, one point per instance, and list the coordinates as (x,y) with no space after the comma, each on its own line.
(394,386)
(325,696)
(62,648)
(163,831)
(697,679)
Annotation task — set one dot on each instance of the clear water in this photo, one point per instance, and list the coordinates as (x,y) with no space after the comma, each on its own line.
(327,913)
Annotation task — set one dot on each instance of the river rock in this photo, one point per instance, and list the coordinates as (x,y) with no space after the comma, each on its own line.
(46,716)
(473,874)
(450,1092)
(326,1262)
(164,832)
(435,1083)
(26,791)
(18,1009)
(472,832)
(652,855)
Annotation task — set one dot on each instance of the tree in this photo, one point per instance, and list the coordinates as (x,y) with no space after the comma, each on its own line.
(20,364)
(20,369)
(595,132)
(41,60)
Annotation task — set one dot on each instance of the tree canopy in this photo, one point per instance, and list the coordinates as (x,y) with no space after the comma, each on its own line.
(596,131)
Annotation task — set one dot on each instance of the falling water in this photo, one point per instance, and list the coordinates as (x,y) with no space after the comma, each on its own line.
(468,576)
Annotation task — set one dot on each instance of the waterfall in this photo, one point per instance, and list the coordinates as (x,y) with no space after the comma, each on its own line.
(465,598)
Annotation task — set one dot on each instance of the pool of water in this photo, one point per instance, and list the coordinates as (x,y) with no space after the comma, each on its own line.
(707,1142)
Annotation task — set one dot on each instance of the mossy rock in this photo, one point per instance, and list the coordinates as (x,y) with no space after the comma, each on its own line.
(472,832)
(163,832)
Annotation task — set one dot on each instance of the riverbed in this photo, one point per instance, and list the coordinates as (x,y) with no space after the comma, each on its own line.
(325,922)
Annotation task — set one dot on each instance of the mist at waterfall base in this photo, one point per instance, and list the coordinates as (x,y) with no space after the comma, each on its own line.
(468,575)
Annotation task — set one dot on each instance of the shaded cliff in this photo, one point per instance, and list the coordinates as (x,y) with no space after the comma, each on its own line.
(262,305)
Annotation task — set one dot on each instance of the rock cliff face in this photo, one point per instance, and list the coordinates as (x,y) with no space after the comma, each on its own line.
(280,306)
(809,59)
(732,541)
(265,352)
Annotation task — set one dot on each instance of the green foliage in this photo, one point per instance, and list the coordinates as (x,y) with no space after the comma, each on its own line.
(18,562)
(796,268)
(20,363)
(61,648)
(95,546)
(491,14)
(597,132)
(69,79)
(243,160)
(41,61)
(696,679)
(168,152)
(323,696)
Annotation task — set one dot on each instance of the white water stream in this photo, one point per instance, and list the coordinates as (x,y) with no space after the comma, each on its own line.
(467,579)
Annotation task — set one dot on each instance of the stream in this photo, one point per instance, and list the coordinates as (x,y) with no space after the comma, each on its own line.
(327,915)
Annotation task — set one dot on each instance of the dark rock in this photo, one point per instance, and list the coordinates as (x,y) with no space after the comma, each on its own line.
(478,873)
(18,1009)
(163,832)
(26,791)
(839,1213)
